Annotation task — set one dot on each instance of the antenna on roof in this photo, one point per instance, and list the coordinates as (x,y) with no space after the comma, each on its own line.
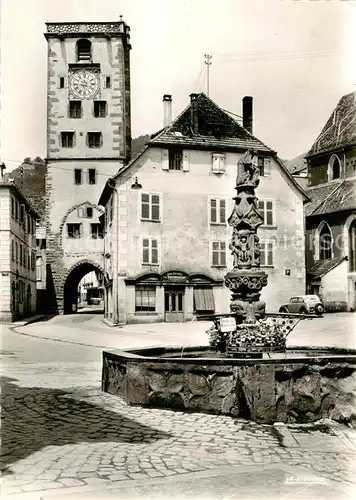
(207,61)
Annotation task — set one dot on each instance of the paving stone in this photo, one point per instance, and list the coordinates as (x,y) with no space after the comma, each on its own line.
(71,481)
(120,477)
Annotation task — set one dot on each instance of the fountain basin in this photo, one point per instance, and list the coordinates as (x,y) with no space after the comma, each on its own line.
(302,384)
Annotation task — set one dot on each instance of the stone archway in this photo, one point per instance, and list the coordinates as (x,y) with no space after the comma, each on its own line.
(74,275)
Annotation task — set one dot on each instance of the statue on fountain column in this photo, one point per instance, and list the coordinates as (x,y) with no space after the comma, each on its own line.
(247,170)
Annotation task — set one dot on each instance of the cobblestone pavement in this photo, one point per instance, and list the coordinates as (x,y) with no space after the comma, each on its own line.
(62,436)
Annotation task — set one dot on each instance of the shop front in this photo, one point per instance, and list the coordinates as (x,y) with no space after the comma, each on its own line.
(173,296)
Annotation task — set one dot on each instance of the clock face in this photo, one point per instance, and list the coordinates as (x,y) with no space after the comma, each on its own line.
(84,84)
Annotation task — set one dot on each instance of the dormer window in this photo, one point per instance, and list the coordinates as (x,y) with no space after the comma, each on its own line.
(334,169)
(83,50)
(175,159)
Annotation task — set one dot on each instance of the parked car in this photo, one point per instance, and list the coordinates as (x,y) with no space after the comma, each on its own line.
(303,304)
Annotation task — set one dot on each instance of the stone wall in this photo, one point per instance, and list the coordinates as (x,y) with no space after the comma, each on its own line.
(299,389)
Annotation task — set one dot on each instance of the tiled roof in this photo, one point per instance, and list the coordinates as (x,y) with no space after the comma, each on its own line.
(214,129)
(340,129)
(317,195)
(322,267)
(333,197)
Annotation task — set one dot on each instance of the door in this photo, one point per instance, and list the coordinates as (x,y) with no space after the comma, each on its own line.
(173,305)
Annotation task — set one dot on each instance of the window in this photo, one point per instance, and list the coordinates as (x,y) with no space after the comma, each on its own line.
(261,166)
(203,300)
(267,211)
(74,230)
(218,254)
(17,251)
(352,246)
(33,261)
(150,207)
(149,251)
(25,252)
(17,206)
(175,159)
(61,82)
(94,139)
(325,243)
(29,223)
(92,176)
(217,211)
(218,163)
(334,170)
(108,82)
(75,109)
(266,257)
(67,139)
(39,261)
(22,214)
(97,231)
(21,254)
(99,109)
(89,212)
(83,50)
(145,298)
(12,250)
(12,207)
(77,176)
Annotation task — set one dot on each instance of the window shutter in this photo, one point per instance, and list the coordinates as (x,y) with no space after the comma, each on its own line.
(81,212)
(165,162)
(267,165)
(185,161)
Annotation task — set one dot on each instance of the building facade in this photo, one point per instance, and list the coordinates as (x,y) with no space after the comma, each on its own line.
(88,139)
(17,254)
(166,232)
(331,213)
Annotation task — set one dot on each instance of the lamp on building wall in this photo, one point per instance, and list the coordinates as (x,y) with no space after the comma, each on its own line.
(2,168)
(136,184)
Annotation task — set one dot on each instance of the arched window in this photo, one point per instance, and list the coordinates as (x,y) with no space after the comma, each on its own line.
(83,50)
(334,168)
(39,264)
(325,242)
(352,246)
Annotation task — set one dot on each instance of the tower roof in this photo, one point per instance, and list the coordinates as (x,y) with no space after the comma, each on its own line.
(340,129)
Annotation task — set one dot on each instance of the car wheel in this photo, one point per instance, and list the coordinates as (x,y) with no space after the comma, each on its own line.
(303,311)
(319,309)
(283,310)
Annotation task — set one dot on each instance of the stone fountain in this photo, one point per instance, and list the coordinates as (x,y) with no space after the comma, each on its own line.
(247,371)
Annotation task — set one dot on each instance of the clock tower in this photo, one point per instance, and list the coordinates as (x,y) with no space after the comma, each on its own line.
(88,140)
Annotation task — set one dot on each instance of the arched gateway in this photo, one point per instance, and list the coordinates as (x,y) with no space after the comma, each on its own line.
(74,275)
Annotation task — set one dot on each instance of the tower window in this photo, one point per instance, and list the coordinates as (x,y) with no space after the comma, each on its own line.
(108,82)
(83,50)
(89,212)
(75,109)
(97,231)
(94,139)
(61,82)
(334,168)
(92,176)
(67,139)
(77,176)
(99,109)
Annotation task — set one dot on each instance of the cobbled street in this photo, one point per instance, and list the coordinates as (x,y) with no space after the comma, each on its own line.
(64,438)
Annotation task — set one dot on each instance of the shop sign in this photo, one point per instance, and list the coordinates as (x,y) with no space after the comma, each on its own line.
(175,276)
(227,324)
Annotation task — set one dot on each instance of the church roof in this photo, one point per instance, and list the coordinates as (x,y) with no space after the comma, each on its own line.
(340,129)
(332,197)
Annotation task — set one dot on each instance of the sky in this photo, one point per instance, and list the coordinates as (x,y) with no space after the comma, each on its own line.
(295,57)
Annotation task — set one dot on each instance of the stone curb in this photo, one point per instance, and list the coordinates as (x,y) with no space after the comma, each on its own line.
(84,492)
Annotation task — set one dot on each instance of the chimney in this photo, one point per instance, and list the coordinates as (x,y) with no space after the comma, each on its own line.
(194,113)
(2,168)
(167,110)
(247,113)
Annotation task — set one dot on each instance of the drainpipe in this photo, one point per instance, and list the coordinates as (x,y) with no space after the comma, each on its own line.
(115,200)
